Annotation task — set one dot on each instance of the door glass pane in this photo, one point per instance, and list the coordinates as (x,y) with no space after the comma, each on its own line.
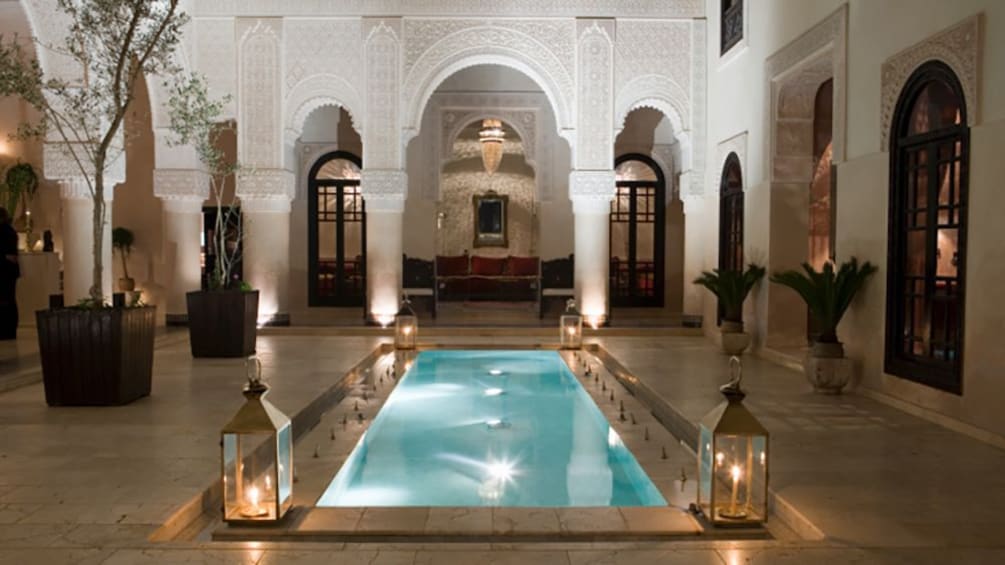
(946,253)
(634,171)
(338,169)
(915,259)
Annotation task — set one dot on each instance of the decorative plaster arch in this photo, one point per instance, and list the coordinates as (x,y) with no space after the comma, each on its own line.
(318,91)
(652,91)
(487,45)
(464,118)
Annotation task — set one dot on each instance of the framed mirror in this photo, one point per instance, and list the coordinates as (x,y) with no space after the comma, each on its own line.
(490,220)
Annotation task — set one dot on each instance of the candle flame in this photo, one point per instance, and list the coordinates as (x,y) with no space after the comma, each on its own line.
(719,457)
(736,472)
(407,330)
(253,496)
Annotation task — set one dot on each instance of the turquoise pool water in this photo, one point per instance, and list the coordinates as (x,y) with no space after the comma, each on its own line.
(490,428)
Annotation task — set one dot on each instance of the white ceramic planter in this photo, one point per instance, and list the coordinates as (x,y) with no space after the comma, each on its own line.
(828,375)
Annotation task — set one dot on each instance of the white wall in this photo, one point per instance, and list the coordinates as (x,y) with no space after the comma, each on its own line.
(876,31)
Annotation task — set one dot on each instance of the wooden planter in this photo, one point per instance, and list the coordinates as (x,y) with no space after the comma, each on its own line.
(101,357)
(222,323)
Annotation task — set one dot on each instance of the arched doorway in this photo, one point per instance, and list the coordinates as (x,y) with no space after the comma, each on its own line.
(637,235)
(336,220)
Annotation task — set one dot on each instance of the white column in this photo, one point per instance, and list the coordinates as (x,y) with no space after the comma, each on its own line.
(696,228)
(591,193)
(78,238)
(265,197)
(266,262)
(183,243)
(384,193)
(183,192)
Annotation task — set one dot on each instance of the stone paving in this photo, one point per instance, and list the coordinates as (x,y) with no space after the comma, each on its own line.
(89,485)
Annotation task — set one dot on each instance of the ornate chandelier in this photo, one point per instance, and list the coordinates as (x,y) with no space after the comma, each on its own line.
(491,136)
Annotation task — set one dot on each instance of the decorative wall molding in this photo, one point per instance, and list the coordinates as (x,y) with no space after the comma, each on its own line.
(653,47)
(260,56)
(694,146)
(595,97)
(524,120)
(825,43)
(657,92)
(326,46)
(591,192)
(382,147)
(488,43)
(384,190)
(736,144)
(958,46)
(455,8)
(181,184)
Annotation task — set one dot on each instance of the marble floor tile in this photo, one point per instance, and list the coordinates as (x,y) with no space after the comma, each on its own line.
(646,557)
(341,557)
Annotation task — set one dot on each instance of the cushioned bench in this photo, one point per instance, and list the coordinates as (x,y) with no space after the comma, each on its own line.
(472,277)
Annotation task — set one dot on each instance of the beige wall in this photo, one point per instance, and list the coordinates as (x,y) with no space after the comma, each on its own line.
(877,30)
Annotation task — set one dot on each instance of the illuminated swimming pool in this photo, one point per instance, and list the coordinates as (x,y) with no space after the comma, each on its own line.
(490,428)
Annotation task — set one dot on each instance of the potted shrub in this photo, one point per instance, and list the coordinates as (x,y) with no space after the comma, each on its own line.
(122,241)
(19,186)
(731,288)
(827,295)
(94,353)
(222,319)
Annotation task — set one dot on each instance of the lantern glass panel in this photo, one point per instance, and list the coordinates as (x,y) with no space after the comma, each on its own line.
(250,479)
(405,329)
(571,326)
(284,441)
(733,481)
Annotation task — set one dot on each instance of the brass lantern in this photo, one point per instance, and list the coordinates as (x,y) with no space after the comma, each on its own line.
(571,327)
(257,456)
(733,460)
(406,326)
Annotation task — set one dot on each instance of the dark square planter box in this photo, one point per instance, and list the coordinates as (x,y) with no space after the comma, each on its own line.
(222,323)
(101,357)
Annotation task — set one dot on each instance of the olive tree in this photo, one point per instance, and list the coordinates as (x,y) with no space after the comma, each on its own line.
(114,44)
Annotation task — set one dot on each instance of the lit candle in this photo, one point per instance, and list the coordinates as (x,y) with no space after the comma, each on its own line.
(407,330)
(735,471)
(252,509)
(571,330)
(718,458)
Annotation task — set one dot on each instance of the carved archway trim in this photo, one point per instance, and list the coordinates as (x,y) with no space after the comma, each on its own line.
(318,91)
(958,46)
(486,45)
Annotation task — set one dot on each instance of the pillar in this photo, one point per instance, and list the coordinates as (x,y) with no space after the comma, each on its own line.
(183,192)
(696,230)
(591,193)
(384,193)
(78,238)
(265,197)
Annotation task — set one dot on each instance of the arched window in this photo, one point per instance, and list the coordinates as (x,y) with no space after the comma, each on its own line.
(637,232)
(929,155)
(337,232)
(731,215)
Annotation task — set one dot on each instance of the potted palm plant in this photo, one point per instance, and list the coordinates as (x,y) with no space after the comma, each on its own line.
(94,353)
(122,241)
(222,319)
(19,186)
(731,288)
(827,294)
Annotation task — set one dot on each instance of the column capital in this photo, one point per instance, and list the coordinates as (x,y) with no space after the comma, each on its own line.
(181,184)
(266,190)
(591,192)
(59,164)
(384,190)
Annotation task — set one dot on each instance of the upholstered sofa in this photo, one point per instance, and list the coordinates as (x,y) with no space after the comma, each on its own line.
(473,277)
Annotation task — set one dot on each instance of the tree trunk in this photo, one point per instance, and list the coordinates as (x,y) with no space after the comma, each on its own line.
(97,293)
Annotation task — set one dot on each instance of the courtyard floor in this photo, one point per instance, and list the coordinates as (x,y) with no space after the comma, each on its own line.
(90,485)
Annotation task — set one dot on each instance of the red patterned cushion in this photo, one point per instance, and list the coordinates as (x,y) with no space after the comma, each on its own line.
(452,266)
(487,266)
(522,266)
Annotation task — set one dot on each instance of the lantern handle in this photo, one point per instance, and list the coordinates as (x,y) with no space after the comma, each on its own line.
(253,366)
(732,388)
